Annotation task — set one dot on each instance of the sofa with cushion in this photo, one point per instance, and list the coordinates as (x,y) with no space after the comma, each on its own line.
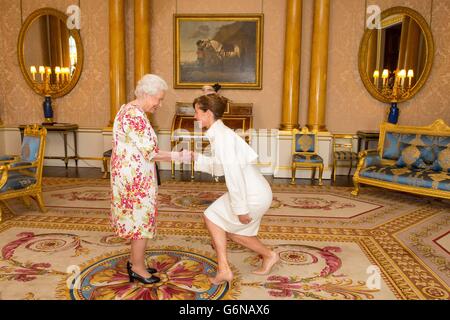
(409,159)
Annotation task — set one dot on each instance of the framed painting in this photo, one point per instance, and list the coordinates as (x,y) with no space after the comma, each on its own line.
(224,49)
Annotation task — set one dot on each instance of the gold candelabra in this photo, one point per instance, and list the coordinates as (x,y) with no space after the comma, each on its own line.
(48,81)
(394,86)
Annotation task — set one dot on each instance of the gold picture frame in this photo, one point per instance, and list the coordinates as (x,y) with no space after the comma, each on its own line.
(215,48)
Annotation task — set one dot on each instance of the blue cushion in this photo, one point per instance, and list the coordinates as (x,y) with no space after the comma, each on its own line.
(30,148)
(305,142)
(443,142)
(304,158)
(107,153)
(412,177)
(372,160)
(442,162)
(392,143)
(418,139)
(413,156)
(391,148)
(17,181)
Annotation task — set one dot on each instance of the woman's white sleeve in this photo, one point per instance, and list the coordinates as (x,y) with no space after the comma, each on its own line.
(204,164)
(234,176)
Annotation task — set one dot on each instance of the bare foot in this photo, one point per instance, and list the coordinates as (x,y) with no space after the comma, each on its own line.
(267,264)
(221,277)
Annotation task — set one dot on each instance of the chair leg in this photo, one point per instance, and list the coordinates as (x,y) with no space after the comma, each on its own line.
(334,171)
(172,167)
(26,200)
(351,166)
(40,201)
(105,168)
(313,175)
(294,170)
(320,175)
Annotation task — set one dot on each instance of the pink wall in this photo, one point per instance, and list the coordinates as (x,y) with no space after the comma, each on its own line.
(349,106)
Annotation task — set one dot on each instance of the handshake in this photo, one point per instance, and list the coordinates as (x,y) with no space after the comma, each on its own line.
(183,156)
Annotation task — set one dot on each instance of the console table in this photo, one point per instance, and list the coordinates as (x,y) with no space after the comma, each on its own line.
(366,136)
(65,129)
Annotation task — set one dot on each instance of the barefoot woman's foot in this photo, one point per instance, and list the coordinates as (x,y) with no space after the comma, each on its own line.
(221,277)
(267,264)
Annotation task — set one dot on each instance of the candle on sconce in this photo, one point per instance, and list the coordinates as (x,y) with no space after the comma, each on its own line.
(376,75)
(402,77)
(57,72)
(33,72)
(41,72)
(67,71)
(385,76)
(410,76)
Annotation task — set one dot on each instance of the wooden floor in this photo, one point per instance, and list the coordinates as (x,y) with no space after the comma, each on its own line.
(341,181)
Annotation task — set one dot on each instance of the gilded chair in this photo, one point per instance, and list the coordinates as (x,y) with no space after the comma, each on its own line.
(343,153)
(304,153)
(21,176)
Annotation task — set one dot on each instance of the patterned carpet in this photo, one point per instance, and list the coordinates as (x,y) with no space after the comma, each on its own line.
(380,245)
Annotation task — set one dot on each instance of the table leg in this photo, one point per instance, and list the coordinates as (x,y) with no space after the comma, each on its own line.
(76,147)
(66,161)
(192,161)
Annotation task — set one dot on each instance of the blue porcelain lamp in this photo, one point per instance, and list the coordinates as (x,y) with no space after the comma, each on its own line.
(48,110)
(394,112)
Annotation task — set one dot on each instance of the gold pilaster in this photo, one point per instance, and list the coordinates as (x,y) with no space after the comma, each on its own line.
(141,39)
(319,66)
(292,59)
(142,22)
(117,56)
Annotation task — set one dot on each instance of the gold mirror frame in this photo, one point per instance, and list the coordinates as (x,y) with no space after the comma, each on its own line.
(363,52)
(20,50)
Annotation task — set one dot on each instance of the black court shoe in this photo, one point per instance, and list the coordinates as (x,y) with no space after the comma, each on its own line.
(149,270)
(150,280)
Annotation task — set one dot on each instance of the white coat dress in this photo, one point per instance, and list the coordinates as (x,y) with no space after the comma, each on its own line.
(248,191)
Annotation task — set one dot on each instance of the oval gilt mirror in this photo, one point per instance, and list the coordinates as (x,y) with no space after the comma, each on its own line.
(395,61)
(50,54)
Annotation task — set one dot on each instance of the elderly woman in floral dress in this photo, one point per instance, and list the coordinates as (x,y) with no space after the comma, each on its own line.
(133,174)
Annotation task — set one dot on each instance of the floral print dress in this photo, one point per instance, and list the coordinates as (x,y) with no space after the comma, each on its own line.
(133,175)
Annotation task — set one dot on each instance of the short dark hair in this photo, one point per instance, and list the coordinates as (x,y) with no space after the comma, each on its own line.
(213,102)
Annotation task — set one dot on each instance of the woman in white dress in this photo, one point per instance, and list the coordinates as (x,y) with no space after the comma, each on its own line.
(238,213)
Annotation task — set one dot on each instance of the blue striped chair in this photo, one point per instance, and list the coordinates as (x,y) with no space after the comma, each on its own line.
(304,153)
(21,176)
(343,152)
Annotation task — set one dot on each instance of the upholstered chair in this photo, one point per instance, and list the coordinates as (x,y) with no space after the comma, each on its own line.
(21,176)
(343,154)
(305,153)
